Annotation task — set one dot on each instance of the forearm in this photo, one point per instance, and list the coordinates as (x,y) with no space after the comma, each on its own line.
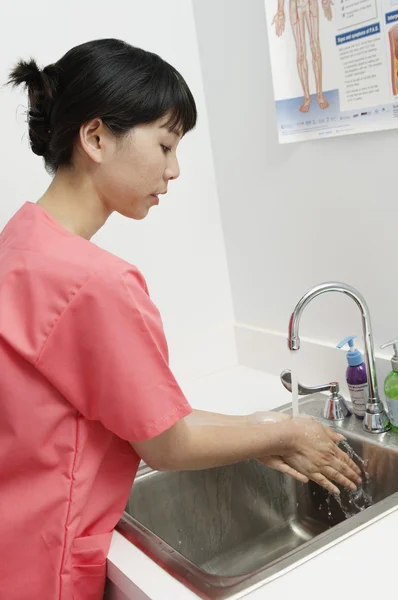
(204,447)
(198,418)
(281,6)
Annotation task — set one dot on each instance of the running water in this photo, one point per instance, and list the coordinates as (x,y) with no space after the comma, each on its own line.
(353,502)
(293,365)
(361,497)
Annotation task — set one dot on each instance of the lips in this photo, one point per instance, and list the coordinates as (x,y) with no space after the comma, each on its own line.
(156,196)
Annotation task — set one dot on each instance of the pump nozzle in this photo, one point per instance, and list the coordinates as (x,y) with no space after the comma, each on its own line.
(394,359)
(348,340)
(354,357)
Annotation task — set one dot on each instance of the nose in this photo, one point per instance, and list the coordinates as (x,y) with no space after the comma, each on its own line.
(172,170)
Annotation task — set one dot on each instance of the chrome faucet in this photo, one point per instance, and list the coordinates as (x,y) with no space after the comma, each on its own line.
(376,418)
(335,408)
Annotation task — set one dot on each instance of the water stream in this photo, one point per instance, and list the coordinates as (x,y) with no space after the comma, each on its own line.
(295,395)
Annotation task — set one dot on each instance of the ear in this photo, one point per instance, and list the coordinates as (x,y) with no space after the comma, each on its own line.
(94,139)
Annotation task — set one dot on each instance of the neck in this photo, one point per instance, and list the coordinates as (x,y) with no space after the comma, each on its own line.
(74,203)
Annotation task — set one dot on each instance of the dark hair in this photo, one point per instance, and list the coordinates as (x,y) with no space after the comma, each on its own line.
(109,79)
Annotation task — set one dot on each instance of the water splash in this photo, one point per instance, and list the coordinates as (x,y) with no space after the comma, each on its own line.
(354,456)
(353,502)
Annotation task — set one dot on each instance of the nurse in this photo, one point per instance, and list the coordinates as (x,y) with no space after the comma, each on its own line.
(86,390)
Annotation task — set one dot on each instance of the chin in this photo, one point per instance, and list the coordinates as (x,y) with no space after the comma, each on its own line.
(140,217)
(134,213)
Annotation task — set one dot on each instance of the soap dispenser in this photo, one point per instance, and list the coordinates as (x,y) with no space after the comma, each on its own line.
(356,377)
(391,385)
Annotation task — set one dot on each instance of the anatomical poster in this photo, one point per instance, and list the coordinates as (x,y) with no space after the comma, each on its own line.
(334,66)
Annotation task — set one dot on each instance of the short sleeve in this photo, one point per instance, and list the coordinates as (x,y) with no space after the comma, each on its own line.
(107,355)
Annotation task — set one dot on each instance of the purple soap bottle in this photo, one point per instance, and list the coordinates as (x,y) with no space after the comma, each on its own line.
(356,377)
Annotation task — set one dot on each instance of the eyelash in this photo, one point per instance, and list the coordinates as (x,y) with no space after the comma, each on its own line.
(165,148)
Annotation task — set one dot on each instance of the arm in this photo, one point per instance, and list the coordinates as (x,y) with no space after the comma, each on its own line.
(306,448)
(203,417)
(198,418)
(186,447)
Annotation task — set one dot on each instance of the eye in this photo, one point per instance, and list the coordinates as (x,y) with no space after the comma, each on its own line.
(165,148)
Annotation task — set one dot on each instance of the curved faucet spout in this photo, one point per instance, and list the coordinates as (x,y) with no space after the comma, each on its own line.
(376,419)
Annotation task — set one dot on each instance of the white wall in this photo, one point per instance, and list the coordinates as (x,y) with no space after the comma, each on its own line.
(294,215)
(179,246)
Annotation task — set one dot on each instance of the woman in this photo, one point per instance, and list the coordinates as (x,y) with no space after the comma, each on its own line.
(86,390)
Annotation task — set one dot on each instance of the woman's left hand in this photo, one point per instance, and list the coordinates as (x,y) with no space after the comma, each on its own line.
(277,463)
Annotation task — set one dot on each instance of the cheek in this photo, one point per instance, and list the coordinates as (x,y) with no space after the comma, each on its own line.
(118,187)
(133,175)
(151,167)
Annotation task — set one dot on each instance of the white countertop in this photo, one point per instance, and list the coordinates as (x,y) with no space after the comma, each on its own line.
(345,570)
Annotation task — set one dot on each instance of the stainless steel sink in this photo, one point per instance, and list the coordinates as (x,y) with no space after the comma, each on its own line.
(226,531)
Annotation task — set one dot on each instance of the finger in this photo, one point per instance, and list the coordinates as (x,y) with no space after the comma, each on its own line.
(348,463)
(324,482)
(288,470)
(343,456)
(342,468)
(279,464)
(334,436)
(339,478)
(294,474)
(347,472)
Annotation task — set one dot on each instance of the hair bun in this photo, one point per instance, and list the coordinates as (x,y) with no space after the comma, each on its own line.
(26,72)
(42,87)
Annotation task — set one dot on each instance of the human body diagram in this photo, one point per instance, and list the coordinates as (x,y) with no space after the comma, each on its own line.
(304,19)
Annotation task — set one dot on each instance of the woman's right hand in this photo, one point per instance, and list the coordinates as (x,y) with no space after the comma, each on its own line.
(312,451)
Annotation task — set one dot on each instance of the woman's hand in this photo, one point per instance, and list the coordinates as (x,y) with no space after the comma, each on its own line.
(278,464)
(314,455)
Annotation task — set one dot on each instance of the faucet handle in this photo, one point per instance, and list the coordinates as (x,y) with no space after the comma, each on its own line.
(335,408)
(286,379)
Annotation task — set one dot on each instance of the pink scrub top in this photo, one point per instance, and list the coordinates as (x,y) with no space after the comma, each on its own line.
(84,371)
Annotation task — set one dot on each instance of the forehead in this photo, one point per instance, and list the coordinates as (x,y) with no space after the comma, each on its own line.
(165,125)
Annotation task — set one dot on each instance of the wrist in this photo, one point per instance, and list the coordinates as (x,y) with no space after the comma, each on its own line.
(266,418)
(287,432)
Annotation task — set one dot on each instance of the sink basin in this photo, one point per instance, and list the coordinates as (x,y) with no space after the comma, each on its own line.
(226,531)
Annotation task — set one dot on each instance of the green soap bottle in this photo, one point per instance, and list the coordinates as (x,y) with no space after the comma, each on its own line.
(391,386)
